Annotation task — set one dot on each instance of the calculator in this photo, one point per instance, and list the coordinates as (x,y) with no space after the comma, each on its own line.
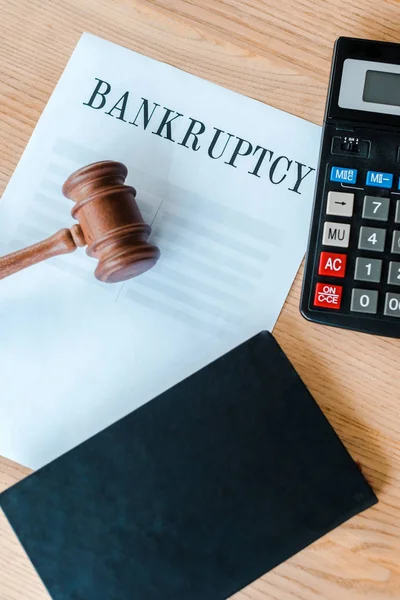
(352,272)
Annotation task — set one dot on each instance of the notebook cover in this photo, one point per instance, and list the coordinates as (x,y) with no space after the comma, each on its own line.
(195,494)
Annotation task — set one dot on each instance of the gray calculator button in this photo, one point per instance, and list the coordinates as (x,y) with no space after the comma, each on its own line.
(396,242)
(394,273)
(392,305)
(376,209)
(372,238)
(340,204)
(336,234)
(368,269)
(364,301)
(397,216)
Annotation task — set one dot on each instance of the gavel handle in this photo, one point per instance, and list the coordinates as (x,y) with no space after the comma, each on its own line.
(62,242)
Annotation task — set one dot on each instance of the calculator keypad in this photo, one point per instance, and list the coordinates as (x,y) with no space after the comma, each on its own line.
(364,301)
(336,234)
(368,269)
(394,273)
(328,296)
(379,179)
(343,175)
(332,265)
(396,242)
(358,244)
(397,215)
(376,209)
(372,239)
(392,305)
(340,204)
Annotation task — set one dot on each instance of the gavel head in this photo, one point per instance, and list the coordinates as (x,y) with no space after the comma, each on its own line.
(111,222)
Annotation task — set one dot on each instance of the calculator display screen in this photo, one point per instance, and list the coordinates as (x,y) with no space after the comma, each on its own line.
(382,88)
(370,86)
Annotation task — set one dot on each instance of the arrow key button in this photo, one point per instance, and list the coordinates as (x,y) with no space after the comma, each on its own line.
(340,204)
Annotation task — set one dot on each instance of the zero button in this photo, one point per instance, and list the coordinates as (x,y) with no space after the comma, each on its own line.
(392,305)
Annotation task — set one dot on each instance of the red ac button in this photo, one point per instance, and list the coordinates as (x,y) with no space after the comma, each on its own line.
(332,265)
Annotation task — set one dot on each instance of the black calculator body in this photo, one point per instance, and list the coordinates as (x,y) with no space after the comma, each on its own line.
(352,273)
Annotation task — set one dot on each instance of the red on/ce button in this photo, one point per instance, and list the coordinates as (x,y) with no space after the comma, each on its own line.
(328,296)
(332,265)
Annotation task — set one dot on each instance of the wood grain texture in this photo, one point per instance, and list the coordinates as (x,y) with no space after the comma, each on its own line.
(61,242)
(110,220)
(277,51)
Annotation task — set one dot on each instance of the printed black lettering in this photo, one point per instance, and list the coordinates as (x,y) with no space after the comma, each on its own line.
(215,141)
(260,160)
(237,152)
(97,92)
(300,177)
(120,106)
(279,168)
(274,167)
(166,123)
(195,134)
(146,117)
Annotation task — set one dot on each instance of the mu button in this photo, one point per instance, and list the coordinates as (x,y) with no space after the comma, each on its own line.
(332,265)
(336,234)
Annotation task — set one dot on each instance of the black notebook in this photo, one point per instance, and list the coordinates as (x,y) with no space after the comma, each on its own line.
(195,494)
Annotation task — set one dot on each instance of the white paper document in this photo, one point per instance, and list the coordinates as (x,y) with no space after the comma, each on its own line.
(226,183)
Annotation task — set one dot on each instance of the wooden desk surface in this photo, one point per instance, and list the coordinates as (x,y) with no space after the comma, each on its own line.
(277,51)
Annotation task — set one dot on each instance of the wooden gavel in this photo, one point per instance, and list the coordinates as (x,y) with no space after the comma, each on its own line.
(110,224)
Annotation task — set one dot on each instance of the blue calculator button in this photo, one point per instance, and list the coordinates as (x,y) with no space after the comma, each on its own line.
(344,175)
(378,179)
